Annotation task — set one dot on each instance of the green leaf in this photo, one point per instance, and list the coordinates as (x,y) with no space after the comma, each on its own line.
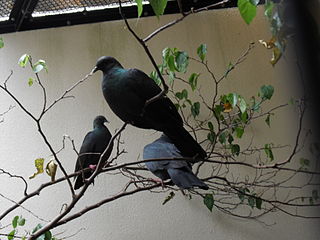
(168,198)
(21,221)
(181,61)
(255,105)
(193,80)
(179,95)
(266,92)
(189,101)
(233,99)
(24,59)
(209,201)
(230,139)
(211,137)
(30,81)
(247,10)
(171,77)
(258,202)
(15,221)
(39,226)
(239,131)
(218,110)
(202,51)
(210,126)
(251,201)
(140,7)
(170,63)
(223,137)
(224,98)
(268,8)
(267,120)
(242,104)
(235,149)
(1,42)
(39,66)
(158,6)
(195,109)
(244,117)
(154,75)
(48,235)
(184,94)
(268,151)
(11,234)
(166,54)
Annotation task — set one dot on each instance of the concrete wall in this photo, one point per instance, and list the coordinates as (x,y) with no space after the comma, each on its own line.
(70,53)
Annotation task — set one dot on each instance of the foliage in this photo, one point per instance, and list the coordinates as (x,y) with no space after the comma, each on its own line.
(1,43)
(208,201)
(158,6)
(220,122)
(226,123)
(18,222)
(248,9)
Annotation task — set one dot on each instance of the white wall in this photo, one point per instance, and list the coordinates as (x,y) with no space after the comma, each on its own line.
(70,53)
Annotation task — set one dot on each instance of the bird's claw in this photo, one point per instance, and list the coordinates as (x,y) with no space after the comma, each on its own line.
(92,167)
(158,181)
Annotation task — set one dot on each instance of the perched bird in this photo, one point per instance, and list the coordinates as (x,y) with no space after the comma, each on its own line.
(179,171)
(127,90)
(94,144)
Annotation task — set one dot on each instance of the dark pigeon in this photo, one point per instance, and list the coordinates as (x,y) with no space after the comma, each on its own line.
(95,141)
(127,90)
(179,172)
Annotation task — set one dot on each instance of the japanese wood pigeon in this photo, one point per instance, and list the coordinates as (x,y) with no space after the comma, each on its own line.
(127,90)
(178,171)
(94,144)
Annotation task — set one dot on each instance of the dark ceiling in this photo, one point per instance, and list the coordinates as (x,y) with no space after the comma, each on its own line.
(22,15)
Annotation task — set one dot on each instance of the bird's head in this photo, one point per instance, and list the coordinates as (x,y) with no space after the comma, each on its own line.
(106,63)
(99,121)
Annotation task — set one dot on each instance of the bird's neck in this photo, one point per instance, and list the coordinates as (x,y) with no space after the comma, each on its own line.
(99,126)
(112,68)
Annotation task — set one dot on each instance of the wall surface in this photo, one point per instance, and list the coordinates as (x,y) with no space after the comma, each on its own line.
(71,53)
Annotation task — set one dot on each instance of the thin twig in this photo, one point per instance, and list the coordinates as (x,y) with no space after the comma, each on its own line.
(184,15)
(142,43)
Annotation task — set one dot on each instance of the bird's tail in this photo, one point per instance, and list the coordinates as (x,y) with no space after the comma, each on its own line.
(79,180)
(185,179)
(186,144)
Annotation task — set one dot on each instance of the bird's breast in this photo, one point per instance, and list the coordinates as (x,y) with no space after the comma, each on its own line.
(122,99)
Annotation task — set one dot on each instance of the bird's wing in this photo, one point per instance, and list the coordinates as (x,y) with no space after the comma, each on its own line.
(160,149)
(88,146)
(146,88)
(142,84)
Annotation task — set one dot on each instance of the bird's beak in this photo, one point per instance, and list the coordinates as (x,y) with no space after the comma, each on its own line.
(106,121)
(94,70)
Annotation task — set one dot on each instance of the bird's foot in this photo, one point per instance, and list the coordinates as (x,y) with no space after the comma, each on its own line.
(158,181)
(92,167)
